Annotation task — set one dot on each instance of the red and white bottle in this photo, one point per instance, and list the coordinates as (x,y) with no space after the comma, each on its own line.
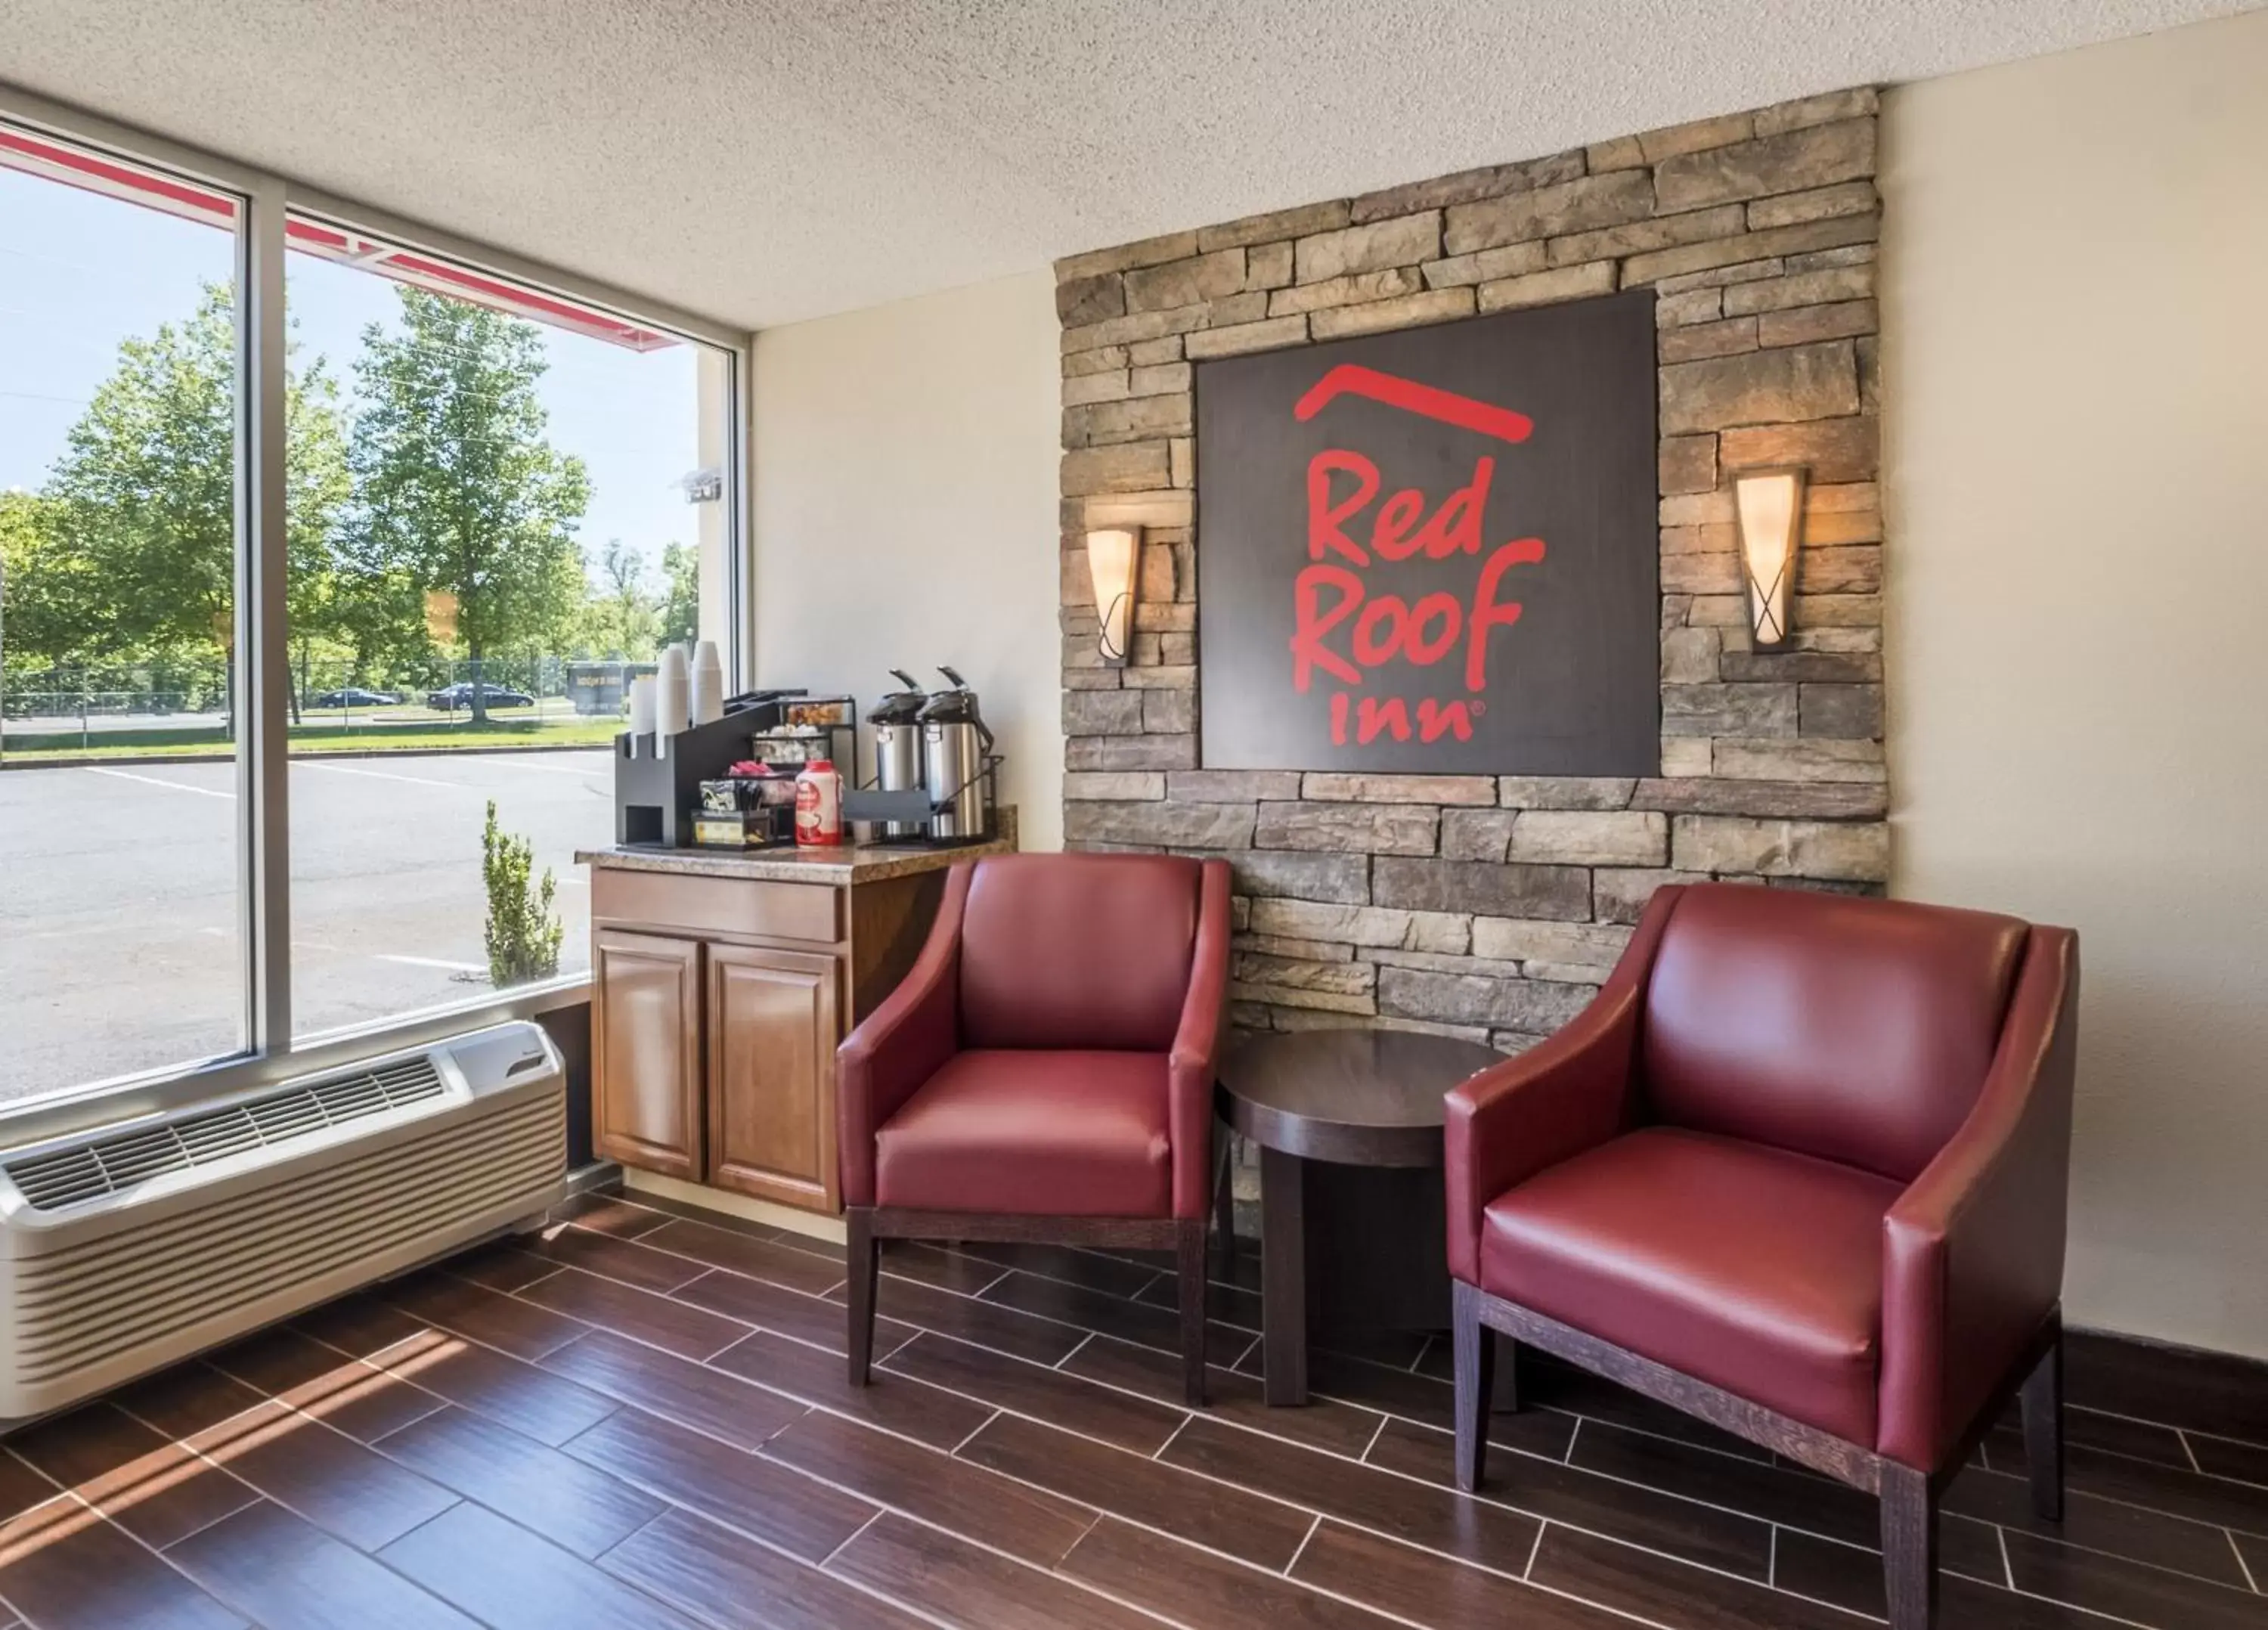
(818,805)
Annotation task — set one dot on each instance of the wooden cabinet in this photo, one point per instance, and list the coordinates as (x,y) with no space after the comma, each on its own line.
(772,1074)
(718,1002)
(646,1042)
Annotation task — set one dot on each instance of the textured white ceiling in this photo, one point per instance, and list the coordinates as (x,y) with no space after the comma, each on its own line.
(760,161)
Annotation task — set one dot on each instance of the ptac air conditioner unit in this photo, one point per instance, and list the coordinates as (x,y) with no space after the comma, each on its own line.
(128,1247)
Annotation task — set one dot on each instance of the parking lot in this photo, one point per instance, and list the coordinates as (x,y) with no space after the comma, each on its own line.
(120,947)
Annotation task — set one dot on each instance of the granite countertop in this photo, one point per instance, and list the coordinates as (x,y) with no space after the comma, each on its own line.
(850,863)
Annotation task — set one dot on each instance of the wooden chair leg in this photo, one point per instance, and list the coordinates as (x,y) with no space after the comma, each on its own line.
(1190,1241)
(1910,1547)
(1225,1202)
(2042,1409)
(863,1259)
(1475,1345)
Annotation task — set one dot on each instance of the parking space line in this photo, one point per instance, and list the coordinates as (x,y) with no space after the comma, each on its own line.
(432,961)
(382,775)
(178,786)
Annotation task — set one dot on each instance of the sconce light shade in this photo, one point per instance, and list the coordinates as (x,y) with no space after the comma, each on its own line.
(1770,505)
(1113,561)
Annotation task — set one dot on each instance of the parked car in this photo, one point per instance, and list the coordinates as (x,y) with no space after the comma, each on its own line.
(355,695)
(452,697)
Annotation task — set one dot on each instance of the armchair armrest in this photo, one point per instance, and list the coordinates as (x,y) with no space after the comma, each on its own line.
(1973,1250)
(900,1044)
(1196,1046)
(1562,1097)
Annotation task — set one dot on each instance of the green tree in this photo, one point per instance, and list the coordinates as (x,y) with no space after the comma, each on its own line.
(44,592)
(458,495)
(680,605)
(141,515)
(523,933)
(622,619)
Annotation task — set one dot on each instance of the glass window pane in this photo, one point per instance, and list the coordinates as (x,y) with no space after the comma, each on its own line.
(121,857)
(502,505)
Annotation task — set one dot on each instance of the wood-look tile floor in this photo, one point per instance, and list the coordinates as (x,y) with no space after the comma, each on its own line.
(641,1419)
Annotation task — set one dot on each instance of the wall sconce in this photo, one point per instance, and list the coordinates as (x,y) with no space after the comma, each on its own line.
(1114,557)
(1769,506)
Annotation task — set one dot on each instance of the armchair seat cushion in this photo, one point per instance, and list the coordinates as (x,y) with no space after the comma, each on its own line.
(1044,1133)
(1756,1269)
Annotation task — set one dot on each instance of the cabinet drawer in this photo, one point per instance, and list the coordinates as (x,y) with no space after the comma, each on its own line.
(718,905)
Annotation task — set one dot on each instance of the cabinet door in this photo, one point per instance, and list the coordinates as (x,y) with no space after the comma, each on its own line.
(773,1021)
(645,1042)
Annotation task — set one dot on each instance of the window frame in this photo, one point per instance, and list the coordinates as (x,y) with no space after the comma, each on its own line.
(270,1052)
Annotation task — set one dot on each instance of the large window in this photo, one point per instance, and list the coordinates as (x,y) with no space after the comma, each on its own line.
(122,873)
(274,771)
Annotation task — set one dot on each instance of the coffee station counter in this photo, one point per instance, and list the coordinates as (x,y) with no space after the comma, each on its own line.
(849,863)
(722,980)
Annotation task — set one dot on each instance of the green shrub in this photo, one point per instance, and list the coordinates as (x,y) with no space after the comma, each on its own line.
(524,936)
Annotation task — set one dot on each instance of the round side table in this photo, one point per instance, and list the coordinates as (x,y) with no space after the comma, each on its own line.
(1352,1215)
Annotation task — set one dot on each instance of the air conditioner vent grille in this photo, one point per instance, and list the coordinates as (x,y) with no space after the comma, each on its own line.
(112,1165)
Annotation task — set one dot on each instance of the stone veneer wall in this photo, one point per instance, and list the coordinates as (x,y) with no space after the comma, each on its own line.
(1491,907)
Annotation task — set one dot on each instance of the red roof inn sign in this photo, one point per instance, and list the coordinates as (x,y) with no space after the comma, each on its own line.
(1434,550)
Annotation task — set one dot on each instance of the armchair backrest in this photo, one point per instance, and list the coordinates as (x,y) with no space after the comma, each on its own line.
(1078,951)
(1856,1030)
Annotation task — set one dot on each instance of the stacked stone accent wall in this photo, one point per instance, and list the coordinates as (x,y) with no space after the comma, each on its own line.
(1492,906)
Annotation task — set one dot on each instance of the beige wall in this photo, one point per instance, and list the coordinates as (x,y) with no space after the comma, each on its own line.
(905,512)
(2077,478)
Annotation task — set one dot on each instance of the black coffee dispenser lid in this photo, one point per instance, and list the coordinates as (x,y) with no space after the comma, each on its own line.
(900,707)
(956,706)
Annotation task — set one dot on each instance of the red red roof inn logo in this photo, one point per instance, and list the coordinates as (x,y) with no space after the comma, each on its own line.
(1332,592)
(1376,590)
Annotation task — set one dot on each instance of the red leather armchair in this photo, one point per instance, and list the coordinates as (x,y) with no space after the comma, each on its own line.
(1801,1169)
(1045,1073)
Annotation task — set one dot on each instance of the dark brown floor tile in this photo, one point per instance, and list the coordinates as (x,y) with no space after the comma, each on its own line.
(187,1399)
(1546,1383)
(2175,1488)
(709,1214)
(931,1264)
(1113,1276)
(757,1496)
(664,1322)
(929,1485)
(2218,1457)
(971,1587)
(1323,1423)
(691,1394)
(615,1258)
(1662,1590)
(2211,1392)
(759,1259)
(282,1571)
(788,1313)
(566,1500)
(1051,1395)
(69,1569)
(1263,1531)
(2133,1531)
(1439,1519)
(339,1486)
(533,1402)
(731,1581)
(1432,1589)
(359,1326)
(357,1397)
(2142,1596)
(502,1266)
(1226,1304)
(1775,1494)
(520,1329)
(2143,1440)
(1201,1591)
(1077,1310)
(1853,1579)
(510,1580)
(894,1402)
(2255,1555)
(1683,1529)
(155,1489)
(609,1214)
(1004,1327)
(1423,1399)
